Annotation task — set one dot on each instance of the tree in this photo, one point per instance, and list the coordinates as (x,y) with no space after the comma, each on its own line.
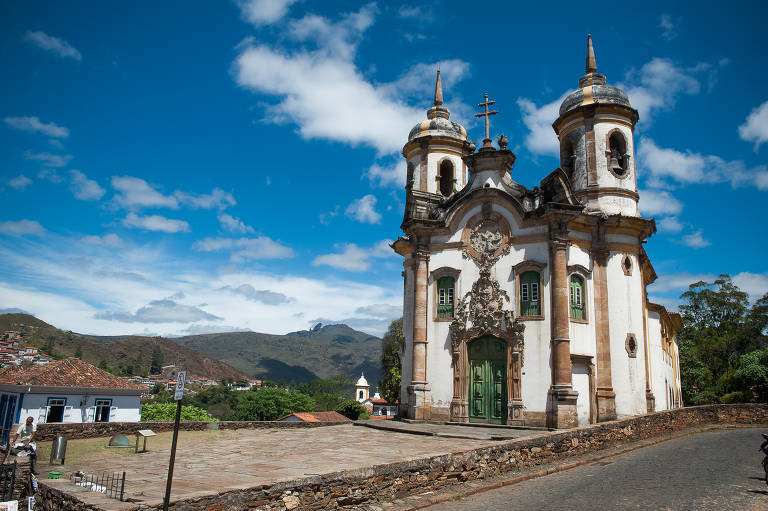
(167,412)
(352,409)
(156,363)
(79,351)
(269,404)
(719,336)
(391,351)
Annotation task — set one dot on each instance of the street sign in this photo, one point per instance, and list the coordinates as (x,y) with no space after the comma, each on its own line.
(180,380)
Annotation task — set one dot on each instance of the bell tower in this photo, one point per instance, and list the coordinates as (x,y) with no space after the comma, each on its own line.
(434,150)
(596,133)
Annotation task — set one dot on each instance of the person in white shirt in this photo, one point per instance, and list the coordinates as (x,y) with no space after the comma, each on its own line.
(26,433)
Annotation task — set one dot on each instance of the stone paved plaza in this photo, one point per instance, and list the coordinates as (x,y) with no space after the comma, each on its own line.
(248,458)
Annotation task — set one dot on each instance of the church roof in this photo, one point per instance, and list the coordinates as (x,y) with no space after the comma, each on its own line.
(438,123)
(362,382)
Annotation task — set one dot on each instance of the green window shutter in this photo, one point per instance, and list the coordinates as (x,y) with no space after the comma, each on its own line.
(445,297)
(577,297)
(530,298)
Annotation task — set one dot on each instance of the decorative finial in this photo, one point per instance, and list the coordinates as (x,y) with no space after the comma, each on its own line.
(591,62)
(438,90)
(486,114)
(503,141)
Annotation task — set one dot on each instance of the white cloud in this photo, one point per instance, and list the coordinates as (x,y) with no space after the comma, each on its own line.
(217,199)
(410,11)
(19,182)
(109,240)
(160,311)
(350,257)
(243,249)
(264,296)
(50,175)
(668,27)
(49,159)
(695,240)
(325,218)
(33,125)
(137,193)
(689,167)
(263,12)
(671,224)
(541,138)
(389,175)
(755,127)
(233,224)
(21,227)
(84,188)
(57,46)
(56,143)
(155,223)
(364,210)
(658,202)
(754,284)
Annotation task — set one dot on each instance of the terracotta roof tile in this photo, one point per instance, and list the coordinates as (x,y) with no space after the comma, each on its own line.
(70,372)
(317,417)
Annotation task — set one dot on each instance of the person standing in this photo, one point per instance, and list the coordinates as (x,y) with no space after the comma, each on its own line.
(26,436)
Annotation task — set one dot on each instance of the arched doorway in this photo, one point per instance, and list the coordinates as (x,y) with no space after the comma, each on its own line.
(487,380)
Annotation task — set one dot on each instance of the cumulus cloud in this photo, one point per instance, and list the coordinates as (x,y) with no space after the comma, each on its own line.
(84,188)
(392,174)
(22,227)
(212,329)
(754,284)
(34,125)
(261,247)
(668,28)
(325,218)
(671,224)
(368,318)
(155,223)
(232,224)
(49,159)
(108,240)
(689,167)
(380,310)
(351,257)
(137,193)
(217,199)
(695,240)
(755,127)
(658,202)
(541,138)
(259,295)
(160,311)
(263,12)
(58,47)
(19,182)
(364,210)
(50,175)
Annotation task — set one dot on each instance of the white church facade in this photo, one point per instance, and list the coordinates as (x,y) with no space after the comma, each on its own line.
(529,307)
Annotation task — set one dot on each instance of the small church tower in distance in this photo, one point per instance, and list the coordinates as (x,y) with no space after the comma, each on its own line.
(597,150)
(362,389)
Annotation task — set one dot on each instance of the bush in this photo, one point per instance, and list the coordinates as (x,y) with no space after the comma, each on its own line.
(167,412)
(269,404)
(351,409)
(736,397)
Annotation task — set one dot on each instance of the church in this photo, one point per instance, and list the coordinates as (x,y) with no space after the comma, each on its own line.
(529,307)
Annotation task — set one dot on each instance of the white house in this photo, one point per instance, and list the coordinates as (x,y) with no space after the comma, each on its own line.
(68,390)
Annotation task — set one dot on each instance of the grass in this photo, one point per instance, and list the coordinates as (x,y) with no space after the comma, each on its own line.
(93,449)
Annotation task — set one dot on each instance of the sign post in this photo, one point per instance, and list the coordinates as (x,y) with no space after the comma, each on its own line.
(177,396)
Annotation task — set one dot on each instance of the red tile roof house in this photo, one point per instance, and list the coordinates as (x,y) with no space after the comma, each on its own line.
(68,390)
(314,417)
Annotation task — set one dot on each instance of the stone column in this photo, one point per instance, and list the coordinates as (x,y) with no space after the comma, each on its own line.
(419,390)
(562,396)
(606,397)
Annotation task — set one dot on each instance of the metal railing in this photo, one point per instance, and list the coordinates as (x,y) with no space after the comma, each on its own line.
(111,484)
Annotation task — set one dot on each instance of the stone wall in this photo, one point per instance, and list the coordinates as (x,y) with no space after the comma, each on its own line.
(73,430)
(396,480)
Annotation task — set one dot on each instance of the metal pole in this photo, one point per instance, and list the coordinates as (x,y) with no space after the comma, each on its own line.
(122,487)
(167,498)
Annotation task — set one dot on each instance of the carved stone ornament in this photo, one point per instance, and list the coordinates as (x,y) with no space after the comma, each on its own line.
(488,239)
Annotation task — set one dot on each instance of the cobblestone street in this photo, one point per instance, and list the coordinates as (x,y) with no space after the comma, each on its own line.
(714,470)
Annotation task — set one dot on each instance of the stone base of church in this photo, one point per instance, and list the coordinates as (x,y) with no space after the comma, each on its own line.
(606,405)
(650,401)
(562,413)
(515,415)
(419,401)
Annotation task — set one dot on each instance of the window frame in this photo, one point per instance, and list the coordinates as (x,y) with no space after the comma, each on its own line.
(519,270)
(583,298)
(435,278)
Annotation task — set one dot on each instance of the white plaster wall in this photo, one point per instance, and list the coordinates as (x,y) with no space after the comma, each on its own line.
(625,309)
(433,159)
(606,179)
(582,335)
(128,407)
(580,381)
(617,204)
(663,377)
(414,161)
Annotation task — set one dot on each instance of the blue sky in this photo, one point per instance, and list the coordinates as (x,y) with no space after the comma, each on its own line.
(235,165)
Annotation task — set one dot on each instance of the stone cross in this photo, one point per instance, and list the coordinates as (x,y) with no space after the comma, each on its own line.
(486,114)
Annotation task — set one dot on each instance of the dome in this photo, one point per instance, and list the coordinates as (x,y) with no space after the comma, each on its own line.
(438,127)
(362,382)
(600,94)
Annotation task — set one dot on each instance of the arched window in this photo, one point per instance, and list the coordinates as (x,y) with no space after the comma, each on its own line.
(445,297)
(359,395)
(577,297)
(626,265)
(530,295)
(446,177)
(617,162)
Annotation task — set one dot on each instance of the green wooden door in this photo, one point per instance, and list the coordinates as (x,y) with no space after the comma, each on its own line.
(488,380)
